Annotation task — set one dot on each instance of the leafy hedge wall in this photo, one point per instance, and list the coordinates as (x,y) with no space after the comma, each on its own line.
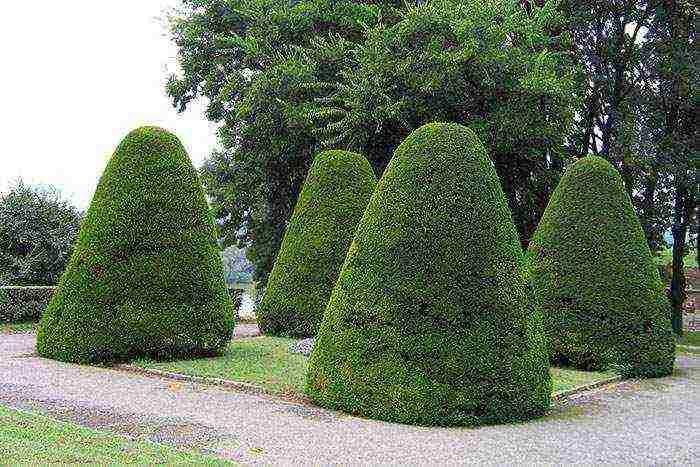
(145,277)
(595,280)
(429,322)
(23,304)
(330,205)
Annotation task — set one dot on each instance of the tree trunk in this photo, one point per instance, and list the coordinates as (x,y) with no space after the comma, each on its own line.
(677,294)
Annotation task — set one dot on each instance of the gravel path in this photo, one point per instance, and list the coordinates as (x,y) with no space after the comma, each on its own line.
(647,422)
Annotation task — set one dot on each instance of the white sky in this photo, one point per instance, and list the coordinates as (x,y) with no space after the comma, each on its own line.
(75,78)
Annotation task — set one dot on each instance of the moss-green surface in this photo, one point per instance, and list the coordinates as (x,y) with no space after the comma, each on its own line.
(595,280)
(32,439)
(145,277)
(428,323)
(334,196)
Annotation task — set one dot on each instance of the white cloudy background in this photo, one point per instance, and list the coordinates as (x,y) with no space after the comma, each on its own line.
(76,77)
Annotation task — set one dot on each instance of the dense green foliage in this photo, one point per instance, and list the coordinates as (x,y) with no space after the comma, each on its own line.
(286,79)
(429,322)
(595,280)
(37,232)
(145,277)
(23,304)
(331,203)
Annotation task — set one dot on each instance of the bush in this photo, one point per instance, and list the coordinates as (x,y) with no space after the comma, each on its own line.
(330,205)
(429,323)
(145,278)
(37,231)
(595,280)
(23,304)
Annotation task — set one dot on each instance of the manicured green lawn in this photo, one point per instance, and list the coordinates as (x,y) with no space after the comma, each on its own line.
(666,256)
(18,327)
(33,439)
(690,338)
(567,378)
(265,361)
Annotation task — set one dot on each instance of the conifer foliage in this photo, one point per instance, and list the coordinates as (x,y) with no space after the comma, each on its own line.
(594,278)
(145,277)
(331,203)
(429,323)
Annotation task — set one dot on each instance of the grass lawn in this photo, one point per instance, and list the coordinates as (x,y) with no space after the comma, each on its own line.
(266,361)
(18,327)
(32,439)
(666,256)
(690,338)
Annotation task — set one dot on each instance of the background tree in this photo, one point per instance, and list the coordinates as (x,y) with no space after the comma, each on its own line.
(671,42)
(491,66)
(37,231)
(282,78)
(238,54)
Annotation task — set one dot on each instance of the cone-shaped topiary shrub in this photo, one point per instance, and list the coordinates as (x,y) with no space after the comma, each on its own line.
(594,279)
(145,278)
(330,205)
(429,323)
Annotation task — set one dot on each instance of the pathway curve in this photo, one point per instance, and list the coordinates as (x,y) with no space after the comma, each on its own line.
(637,422)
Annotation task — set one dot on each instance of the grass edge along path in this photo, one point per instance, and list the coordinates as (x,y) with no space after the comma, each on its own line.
(32,438)
(265,365)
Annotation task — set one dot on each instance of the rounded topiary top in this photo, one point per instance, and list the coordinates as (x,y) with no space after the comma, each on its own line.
(594,277)
(428,322)
(332,200)
(145,277)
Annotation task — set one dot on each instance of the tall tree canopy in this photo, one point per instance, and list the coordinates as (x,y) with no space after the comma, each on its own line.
(286,79)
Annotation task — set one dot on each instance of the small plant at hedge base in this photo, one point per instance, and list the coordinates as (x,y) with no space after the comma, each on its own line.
(145,278)
(335,194)
(595,280)
(429,323)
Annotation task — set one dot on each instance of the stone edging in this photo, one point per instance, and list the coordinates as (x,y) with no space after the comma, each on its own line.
(225,383)
(562,395)
(250,388)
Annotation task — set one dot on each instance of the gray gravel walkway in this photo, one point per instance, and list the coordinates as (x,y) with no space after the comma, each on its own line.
(641,423)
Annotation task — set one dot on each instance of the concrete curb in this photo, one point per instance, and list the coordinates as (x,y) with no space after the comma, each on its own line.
(563,395)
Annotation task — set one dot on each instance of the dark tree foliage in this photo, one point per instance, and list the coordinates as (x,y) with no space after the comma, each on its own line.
(285,79)
(37,232)
(429,322)
(595,280)
(245,57)
(145,278)
(331,203)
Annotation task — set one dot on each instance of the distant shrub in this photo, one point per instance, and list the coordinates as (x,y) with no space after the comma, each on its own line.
(595,280)
(428,322)
(145,278)
(23,304)
(330,205)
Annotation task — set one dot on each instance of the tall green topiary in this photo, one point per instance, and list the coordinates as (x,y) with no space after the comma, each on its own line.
(428,323)
(330,205)
(594,278)
(145,277)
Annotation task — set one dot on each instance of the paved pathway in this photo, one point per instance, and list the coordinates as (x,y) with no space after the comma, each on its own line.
(648,422)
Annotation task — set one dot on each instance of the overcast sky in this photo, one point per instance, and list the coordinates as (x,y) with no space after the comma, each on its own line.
(75,78)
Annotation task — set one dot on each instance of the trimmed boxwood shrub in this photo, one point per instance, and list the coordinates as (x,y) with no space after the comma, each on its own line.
(595,280)
(429,323)
(145,278)
(19,304)
(330,205)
